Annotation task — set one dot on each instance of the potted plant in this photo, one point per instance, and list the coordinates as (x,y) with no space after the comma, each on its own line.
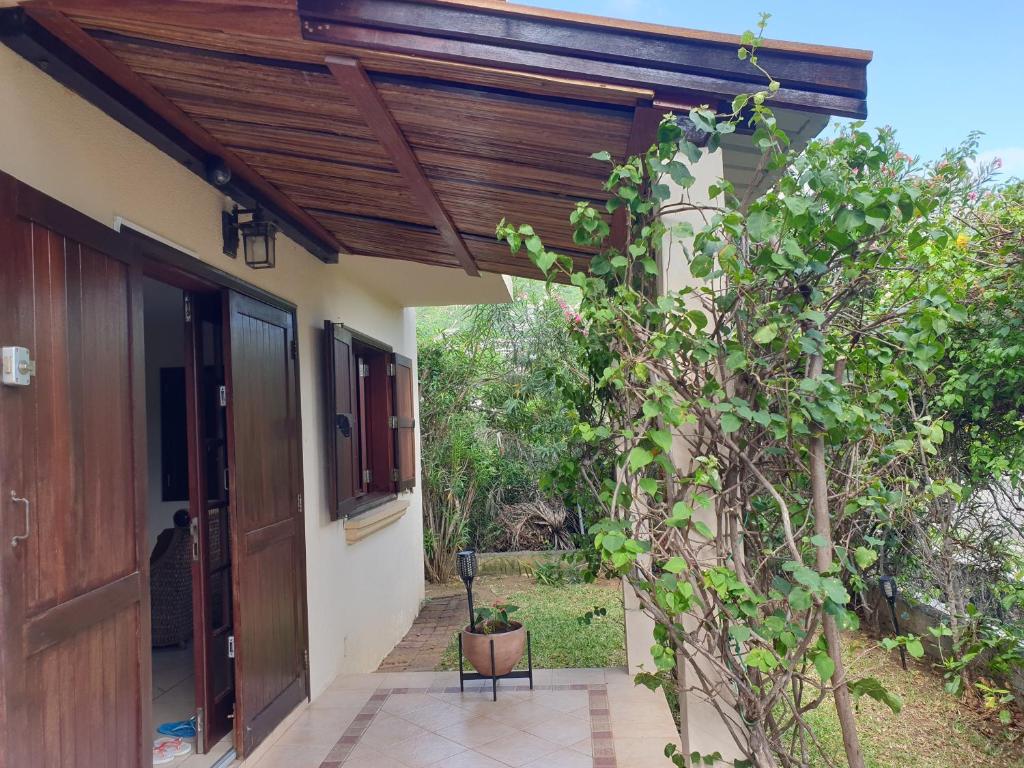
(509,637)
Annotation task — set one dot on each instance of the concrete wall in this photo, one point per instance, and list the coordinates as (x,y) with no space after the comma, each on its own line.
(363,596)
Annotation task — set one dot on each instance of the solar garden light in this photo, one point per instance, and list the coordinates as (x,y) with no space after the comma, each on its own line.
(466,563)
(890,591)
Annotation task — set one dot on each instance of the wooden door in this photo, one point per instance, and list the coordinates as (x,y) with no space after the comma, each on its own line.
(206,396)
(75,630)
(266,516)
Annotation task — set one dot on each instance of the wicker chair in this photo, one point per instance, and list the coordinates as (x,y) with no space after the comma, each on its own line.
(170,590)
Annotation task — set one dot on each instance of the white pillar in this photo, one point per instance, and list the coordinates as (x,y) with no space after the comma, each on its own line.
(702,730)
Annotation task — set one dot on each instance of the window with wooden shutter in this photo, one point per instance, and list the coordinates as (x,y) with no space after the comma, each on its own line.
(404,423)
(343,429)
(371,433)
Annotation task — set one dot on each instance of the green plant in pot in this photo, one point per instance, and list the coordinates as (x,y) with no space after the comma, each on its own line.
(494,625)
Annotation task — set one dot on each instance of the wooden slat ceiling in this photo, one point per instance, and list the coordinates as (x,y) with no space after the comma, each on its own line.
(488,153)
(492,142)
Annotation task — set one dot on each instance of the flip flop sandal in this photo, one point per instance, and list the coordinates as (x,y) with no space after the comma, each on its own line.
(164,752)
(177,746)
(183,729)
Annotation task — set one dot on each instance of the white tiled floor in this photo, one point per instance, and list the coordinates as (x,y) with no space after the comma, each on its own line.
(438,728)
(174,699)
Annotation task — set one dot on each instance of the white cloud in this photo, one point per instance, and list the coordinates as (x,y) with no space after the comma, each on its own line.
(1012,157)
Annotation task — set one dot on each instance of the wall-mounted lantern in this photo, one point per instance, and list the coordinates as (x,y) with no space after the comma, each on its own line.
(258,237)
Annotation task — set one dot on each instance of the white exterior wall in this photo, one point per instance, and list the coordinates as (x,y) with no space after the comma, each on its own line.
(362,596)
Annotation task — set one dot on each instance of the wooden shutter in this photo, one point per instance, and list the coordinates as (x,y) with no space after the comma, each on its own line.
(341,406)
(405,431)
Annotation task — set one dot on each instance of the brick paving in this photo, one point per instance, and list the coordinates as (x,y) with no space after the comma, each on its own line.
(443,614)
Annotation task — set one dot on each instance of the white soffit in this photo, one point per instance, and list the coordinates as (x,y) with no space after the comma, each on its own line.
(741,158)
(411,284)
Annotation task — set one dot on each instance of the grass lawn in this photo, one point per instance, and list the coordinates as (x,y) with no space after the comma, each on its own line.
(932,731)
(550,613)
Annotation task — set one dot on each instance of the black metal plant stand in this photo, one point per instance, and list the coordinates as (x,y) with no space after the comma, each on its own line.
(524,673)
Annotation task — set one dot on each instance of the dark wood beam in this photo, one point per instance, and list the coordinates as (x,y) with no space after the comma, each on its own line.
(63,50)
(642,135)
(363,93)
(813,77)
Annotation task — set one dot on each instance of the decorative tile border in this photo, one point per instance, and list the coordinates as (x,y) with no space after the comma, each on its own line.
(602,745)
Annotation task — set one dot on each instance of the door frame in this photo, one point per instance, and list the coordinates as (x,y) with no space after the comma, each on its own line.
(147,257)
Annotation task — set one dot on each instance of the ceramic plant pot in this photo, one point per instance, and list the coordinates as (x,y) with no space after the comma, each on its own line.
(508,650)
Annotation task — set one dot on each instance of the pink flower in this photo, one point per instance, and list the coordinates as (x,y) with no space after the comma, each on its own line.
(571,315)
(972,196)
(997,163)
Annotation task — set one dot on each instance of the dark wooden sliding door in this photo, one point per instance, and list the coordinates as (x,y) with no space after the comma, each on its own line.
(75,627)
(266,514)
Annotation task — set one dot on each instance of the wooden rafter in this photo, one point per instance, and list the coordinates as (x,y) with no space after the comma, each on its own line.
(680,64)
(360,90)
(163,116)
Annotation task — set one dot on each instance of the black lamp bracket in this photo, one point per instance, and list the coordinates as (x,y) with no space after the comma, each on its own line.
(229,225)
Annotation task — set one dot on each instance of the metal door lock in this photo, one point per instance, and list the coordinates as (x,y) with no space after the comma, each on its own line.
(18,367)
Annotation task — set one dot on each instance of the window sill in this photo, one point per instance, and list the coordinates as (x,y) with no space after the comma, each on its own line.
(371,521)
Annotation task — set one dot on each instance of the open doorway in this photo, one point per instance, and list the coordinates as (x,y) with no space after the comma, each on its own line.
(188,524)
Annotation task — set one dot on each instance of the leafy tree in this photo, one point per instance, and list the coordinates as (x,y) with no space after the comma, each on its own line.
(497,414)
(767,416)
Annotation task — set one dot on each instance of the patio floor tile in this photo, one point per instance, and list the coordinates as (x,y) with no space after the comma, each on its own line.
(578,719)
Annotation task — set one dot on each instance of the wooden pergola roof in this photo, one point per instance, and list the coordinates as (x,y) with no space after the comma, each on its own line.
(399,128)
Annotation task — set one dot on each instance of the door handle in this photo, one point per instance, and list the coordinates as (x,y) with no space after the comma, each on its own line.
(28,518)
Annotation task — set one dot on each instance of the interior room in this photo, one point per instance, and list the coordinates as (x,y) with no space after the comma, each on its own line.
(173,624)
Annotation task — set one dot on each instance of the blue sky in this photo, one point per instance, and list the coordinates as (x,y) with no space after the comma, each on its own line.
(941,68)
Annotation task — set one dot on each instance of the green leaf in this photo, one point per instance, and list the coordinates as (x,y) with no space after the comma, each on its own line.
(766,333)
(797,205)
(915,648)
(730,422)
(675,565)
(701,265)
(603,156)
(760,226)
(800,599)
(661,438)
(639,458)
(825,666)
(702,528)
(869,686)
(544,260)
(681,511)
(865,557)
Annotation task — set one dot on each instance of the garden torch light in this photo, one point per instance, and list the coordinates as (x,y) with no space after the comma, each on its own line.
(466,564)
(889,590)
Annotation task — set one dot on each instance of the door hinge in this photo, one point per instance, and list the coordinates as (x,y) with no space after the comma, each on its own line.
(299,504)
(364,370)
(188,308)
(393,422)
(193,529)
(200,731)
(295,350)
(231,646)
(394,475)
(367,475)
(391,369)
(222,396)
(305,659)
